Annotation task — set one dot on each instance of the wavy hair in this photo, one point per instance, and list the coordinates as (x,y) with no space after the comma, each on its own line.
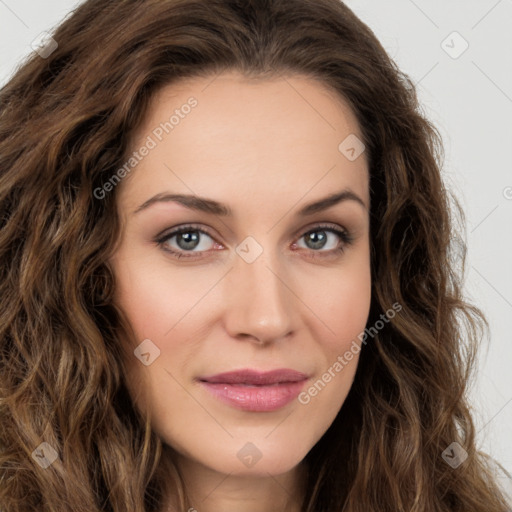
(65,127)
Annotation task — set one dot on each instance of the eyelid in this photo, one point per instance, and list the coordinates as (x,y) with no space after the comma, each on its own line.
(318,225)
(168,233)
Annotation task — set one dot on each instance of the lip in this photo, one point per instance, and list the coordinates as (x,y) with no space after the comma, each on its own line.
(254,390)
(256,377)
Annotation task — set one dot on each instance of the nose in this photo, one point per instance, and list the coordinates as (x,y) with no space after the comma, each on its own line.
(261,305)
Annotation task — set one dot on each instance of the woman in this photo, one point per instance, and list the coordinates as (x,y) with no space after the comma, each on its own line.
(222,288)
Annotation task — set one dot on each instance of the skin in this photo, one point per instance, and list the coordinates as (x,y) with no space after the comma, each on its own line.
(265,148)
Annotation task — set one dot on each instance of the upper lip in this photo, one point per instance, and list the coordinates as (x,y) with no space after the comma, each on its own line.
(256,377)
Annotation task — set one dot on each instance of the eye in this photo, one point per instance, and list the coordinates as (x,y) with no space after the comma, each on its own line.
(195,240)
(319,241)
(187,238)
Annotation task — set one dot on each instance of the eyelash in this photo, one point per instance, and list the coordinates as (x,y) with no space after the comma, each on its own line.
(346,240)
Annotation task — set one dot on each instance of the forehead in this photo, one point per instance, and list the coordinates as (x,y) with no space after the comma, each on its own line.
(259,137)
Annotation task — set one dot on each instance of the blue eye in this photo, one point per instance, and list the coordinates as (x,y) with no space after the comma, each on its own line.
(189,238)
(318,238)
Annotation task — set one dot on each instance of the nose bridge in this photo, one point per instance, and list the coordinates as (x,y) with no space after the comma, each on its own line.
(260,303)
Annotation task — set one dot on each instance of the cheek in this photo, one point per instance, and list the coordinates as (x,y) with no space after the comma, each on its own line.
(163,306)
(341,308)
(342,304)
(157,297)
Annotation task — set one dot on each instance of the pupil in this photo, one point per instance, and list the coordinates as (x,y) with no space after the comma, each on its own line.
(318,241)
(190,240)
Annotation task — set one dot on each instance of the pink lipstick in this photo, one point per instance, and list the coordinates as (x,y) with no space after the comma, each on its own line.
(256,391)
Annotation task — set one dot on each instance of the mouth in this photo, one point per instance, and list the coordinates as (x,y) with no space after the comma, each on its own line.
(255,391)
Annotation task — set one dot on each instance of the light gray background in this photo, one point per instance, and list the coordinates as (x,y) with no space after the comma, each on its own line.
(469,98)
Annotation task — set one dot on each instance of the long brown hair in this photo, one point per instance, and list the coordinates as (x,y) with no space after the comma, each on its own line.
(65,123)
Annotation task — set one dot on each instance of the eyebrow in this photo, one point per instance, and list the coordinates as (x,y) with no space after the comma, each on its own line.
(214,207)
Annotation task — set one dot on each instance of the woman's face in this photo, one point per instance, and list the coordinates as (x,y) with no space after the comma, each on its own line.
(258,280)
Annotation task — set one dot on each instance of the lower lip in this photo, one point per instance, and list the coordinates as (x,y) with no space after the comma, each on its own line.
(255,398)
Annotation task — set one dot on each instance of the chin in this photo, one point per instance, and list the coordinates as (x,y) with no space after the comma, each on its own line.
(251,456)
